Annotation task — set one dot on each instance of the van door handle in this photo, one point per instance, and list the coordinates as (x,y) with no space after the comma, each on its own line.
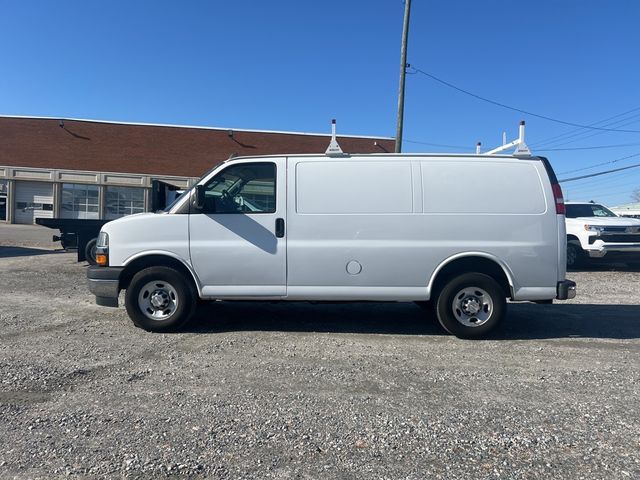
(279,227)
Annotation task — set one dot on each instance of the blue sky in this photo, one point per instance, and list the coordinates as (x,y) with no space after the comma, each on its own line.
(294,65)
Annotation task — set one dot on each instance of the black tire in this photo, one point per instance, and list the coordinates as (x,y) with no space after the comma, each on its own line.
(575,255)
(160,284)
(90,251)
(481,305)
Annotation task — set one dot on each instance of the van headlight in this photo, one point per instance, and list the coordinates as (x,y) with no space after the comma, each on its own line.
(103,240)
(102,249)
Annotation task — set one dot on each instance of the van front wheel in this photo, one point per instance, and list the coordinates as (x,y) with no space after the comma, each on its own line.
(90,251)
(159,299)
(471,305)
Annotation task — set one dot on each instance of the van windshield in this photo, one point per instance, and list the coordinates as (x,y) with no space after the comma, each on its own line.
(588,210)
(188,192)
(175,200)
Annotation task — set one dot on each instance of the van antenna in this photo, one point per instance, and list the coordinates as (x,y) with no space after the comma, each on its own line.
(334,150)
(519,143)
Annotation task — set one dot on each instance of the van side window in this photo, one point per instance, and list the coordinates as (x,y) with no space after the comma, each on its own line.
(242,188)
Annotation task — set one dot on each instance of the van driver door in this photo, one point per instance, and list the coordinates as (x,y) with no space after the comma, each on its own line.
(238,240)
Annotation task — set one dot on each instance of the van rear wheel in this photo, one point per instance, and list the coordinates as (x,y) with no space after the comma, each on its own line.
(159,299)
(471,305)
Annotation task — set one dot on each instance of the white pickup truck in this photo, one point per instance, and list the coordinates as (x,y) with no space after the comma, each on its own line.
(594,231)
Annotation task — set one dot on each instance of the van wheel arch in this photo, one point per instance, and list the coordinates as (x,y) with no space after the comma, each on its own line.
(141,263)
(471,264)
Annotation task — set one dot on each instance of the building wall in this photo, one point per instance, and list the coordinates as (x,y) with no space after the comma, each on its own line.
(99,157)
(151,149)
(20,179)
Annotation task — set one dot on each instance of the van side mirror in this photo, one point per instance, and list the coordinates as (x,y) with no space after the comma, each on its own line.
(199,201)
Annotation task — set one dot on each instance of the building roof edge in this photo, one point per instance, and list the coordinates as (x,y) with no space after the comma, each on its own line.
(198,127)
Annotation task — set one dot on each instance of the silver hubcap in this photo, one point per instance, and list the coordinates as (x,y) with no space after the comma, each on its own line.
(472,306)
(158,300)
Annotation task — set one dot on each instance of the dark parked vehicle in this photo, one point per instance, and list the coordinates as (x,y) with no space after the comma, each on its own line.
(82,234)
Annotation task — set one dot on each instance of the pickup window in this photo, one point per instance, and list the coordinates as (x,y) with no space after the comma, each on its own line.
(588,210)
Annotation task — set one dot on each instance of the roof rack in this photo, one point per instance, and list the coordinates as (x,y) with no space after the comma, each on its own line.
(519,143)
(334,150)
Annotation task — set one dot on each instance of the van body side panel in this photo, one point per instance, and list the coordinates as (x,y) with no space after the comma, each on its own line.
(170,236)
(503,207)
(344,187)
(359,232)
(350,229)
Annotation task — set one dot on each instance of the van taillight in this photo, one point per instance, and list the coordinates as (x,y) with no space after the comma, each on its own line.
(559,199)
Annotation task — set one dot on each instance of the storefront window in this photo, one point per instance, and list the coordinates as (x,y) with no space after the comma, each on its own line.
(79,201)
(121,201)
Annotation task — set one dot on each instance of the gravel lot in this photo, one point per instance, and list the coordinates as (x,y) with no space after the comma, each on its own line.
(311,391)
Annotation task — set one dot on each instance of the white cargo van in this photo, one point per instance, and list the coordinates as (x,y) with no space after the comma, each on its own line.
(460,232)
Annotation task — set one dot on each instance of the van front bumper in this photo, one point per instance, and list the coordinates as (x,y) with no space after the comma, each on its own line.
(566,290)
(104,283)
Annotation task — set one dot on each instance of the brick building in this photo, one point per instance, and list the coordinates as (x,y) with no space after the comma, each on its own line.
(72,168)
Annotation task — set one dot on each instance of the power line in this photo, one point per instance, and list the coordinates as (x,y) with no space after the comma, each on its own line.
(458,147)
(564,180)
(584,135)
(544,117)
(593,147)
(467,147)
(604,188)
(564,136)
(600,164)
(598,182)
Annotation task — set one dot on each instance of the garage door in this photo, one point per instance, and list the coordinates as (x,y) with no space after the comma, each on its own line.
(33,200)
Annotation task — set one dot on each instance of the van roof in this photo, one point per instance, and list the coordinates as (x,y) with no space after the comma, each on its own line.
(386,155)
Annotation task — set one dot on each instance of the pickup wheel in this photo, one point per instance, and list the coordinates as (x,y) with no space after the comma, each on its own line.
(159,299)
(471,305)
(575,255)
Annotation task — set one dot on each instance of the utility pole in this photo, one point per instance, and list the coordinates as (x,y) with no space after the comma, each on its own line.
(403,71)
